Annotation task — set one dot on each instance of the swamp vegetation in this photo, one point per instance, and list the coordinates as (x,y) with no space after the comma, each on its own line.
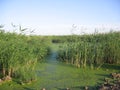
(91,50)
(29,62)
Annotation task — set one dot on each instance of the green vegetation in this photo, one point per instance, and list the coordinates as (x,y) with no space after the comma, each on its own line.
(19,55)
(50,61)
(91,50)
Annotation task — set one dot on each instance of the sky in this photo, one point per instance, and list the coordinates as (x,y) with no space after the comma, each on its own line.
(61,17)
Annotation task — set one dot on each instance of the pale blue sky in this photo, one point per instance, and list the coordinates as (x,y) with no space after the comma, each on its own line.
(58,16)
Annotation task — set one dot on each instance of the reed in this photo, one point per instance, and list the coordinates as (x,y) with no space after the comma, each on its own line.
(19,54)
(91,50)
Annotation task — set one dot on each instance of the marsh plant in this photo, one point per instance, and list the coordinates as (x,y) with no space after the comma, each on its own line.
(19,55)
(91,50)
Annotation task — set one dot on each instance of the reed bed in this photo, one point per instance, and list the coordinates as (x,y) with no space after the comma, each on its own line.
(19,54)
(91,50)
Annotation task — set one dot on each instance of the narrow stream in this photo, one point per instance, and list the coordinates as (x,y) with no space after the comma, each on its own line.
(52,58)
(52,63)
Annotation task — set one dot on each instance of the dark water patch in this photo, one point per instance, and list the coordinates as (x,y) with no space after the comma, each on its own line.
(111,66)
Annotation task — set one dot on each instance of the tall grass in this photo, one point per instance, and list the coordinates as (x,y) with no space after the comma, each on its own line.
(19,54)
(91,50)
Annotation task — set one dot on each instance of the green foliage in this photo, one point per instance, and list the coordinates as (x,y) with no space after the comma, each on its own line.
(19,54)
(92,50)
